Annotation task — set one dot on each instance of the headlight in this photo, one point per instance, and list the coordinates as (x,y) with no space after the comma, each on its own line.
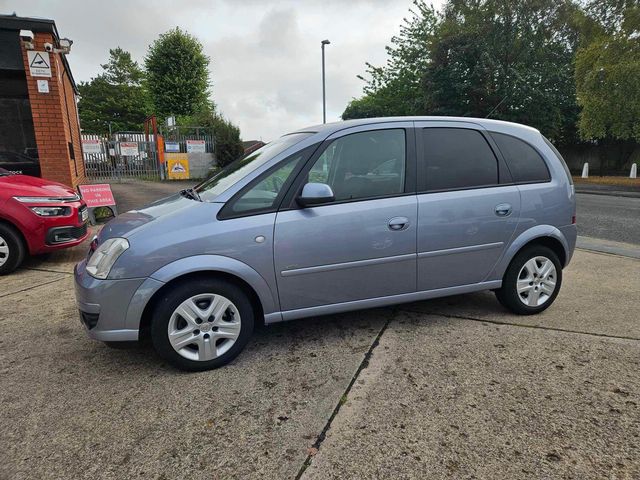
(69,198)
(51,211)
(100,263)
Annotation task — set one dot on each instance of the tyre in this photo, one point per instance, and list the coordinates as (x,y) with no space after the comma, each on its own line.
(12,249)
(202,324)
(122,345)
(532,281)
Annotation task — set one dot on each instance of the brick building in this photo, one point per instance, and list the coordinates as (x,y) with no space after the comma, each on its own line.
(39,126)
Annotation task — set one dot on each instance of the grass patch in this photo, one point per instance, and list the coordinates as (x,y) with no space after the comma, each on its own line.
(615,181)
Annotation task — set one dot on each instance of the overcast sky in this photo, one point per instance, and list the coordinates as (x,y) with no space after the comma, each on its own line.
(265,54)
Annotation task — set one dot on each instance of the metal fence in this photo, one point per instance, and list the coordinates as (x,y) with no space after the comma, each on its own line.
(181,135)
(125,155)
(135,155)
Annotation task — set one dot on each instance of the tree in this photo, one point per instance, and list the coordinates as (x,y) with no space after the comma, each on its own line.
(607,72)
(507,60)
(395,88)
(483,58)
(228,145)
(115,98)
(177,74)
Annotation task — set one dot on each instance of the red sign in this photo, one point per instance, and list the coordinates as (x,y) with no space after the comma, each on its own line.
(98,195)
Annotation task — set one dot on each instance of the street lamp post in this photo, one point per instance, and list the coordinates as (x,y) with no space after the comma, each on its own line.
(324,95)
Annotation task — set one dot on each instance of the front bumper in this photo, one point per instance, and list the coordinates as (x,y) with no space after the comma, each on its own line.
(53,233)
(110,310)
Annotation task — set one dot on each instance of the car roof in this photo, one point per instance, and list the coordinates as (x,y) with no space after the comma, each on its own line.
(489,124)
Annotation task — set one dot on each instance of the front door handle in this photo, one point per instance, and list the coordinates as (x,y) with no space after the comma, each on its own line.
(503,210)
(398,223)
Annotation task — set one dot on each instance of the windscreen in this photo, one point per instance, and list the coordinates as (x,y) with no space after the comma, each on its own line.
(239,169)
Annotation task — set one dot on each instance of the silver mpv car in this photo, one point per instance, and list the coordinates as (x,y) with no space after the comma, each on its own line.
(331,218)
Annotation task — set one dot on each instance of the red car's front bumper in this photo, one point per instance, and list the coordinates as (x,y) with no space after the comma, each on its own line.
(45,234)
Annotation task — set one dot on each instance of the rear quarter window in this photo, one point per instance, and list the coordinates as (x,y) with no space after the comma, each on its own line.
(564,164)
(524,162)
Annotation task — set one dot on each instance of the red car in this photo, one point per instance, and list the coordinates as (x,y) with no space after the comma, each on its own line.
(37,216)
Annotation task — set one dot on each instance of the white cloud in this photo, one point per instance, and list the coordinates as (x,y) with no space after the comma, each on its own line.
(265,55)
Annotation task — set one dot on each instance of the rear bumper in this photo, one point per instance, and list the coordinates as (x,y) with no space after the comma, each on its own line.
(110,310)
(570,234)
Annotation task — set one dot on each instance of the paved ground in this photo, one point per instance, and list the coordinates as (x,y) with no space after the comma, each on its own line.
(130,195)
(609,217)
(449,388)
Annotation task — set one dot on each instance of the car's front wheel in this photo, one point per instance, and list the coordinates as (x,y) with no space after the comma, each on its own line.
(202,324)
(532,281)
(12,250)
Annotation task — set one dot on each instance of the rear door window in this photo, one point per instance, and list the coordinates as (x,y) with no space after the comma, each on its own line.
(457,158)
(524,162)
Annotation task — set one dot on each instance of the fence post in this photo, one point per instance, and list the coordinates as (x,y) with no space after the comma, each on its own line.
(634,171)
(585,170)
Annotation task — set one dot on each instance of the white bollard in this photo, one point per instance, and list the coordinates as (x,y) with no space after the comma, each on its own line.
(634,171)
(585,170)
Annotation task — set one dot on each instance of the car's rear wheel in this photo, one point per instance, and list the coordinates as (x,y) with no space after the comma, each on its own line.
(12,250)
(532,281)
(202,324)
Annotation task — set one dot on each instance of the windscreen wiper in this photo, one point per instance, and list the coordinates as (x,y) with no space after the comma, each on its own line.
(190,193)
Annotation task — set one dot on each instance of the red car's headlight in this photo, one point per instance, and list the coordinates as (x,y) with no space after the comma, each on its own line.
(51,211)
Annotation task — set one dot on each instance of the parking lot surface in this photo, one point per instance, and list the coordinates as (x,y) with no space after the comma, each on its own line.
(455,387)
(450,388)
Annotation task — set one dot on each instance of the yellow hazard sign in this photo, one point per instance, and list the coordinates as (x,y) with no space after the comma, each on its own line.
(177,166)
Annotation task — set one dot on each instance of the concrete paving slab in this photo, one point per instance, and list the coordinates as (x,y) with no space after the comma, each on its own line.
(74,408)
(599,295)
(23,279)
(63,260)
(452,398)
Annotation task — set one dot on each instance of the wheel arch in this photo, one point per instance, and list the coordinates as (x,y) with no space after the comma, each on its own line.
(552,243)
(26,247)
(262,297)
(8,223)
(546,235)
(147,312)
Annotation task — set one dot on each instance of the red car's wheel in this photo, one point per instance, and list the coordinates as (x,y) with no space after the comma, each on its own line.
(11,249)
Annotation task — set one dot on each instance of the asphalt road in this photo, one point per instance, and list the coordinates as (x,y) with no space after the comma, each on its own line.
(609,217)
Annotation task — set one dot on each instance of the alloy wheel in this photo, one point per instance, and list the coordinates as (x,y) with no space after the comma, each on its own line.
(536,281)
(4,251)
(204,327)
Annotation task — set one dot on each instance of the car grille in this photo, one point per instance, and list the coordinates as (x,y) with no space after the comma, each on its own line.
(59,235)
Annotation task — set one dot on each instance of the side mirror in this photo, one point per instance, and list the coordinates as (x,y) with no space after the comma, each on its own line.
(315,194)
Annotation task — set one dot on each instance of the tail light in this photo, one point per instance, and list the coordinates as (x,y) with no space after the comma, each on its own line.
(573,220)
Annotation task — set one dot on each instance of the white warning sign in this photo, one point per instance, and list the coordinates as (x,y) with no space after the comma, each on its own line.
(39,63)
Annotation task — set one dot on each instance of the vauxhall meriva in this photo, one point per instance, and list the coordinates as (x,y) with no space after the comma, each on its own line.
(337,217)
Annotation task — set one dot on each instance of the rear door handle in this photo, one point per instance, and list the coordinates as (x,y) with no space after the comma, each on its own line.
(503,210)
(398,223)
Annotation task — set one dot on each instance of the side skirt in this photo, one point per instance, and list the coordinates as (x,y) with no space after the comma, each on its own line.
(378,302)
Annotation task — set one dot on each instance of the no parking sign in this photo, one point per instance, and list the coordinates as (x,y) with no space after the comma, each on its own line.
(96,196)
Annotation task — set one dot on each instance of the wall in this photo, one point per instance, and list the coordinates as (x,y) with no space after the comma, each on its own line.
(614,158)
(55,119)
